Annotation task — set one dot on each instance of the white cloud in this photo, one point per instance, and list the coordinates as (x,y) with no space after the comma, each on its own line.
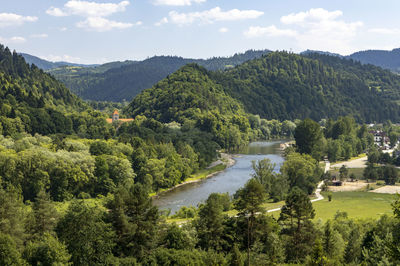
(161,22)
(212,15)
(177,2)
(314,29)
(13,40)
(10,19)
(56,12)
(223,30)
(101,24)
(64,58)
(88,9)
(43,35)
(387,31)
(312,15)
(271,31)
(63,29)
(94,13)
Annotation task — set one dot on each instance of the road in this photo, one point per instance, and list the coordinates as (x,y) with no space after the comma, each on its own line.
(317,191)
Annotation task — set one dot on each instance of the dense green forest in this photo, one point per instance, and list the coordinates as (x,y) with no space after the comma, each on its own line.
(118,81)
(288,86)
(382,58)
(74,190)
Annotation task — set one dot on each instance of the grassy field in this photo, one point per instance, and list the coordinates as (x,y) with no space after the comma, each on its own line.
(358,172)
(357,205)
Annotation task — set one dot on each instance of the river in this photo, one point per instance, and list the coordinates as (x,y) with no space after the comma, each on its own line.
(229,180)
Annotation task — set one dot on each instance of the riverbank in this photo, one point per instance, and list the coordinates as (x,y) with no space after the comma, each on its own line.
(227,160)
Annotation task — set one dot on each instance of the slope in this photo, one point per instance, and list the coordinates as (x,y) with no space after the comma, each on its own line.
(385,59)
(32,101)
(46,65)
(123,80)
(288,86)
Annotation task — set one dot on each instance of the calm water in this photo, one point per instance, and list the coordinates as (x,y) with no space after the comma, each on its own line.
(229,181)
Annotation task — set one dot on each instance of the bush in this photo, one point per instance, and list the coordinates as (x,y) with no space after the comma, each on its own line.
(330,196)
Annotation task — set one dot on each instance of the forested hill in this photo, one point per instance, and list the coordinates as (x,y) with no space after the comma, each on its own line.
(123,80)
(46,65)
(385,59)
(32,101)
(288,86)
(279,86)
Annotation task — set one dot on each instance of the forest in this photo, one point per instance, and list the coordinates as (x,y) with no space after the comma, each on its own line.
(62,165)
(118,81)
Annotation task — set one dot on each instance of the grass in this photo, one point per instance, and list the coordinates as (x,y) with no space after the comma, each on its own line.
(359,205)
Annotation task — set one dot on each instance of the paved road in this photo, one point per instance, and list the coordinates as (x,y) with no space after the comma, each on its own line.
(317,191)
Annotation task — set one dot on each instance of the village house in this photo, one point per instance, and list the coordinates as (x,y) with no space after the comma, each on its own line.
(115,118)
(381,139)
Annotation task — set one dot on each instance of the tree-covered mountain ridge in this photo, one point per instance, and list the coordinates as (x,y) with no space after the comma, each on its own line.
(33,101)
(279,85)
(118,81)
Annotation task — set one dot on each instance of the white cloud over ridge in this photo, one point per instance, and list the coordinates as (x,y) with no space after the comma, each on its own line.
(272,31)
(212,15)
(177,2)
(314,29)
(11,19)
(102,24)
(94,13)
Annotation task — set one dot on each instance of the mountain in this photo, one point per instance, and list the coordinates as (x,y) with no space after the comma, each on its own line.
(46,65)
(385,59)
(276,86)
(120,81)
(33,101)
(289,86)
(307,52)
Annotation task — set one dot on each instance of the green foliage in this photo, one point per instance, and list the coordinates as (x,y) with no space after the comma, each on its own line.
(47,250)
(307,135)
(88,238)
(283,86)
(301,171)
(9,254)
(118,81)
(134,220)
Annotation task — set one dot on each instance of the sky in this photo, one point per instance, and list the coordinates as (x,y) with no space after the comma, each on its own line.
(99,31)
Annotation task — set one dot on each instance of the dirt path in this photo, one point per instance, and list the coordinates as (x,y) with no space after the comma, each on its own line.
(357,163)
(387,190)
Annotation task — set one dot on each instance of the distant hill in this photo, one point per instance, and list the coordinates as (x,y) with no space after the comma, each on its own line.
(307,52)
(118,81)
(46,65)
(276,86)
(385,59)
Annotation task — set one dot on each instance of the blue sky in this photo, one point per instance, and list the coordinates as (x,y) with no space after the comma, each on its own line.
(97,31)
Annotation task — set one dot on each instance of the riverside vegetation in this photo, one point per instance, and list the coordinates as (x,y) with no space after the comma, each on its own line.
(62,165)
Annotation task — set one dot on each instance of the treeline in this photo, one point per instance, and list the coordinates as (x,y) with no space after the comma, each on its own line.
(283,86)
(337,140)
(192,100)
(127,230)
(34,102)
(118,81)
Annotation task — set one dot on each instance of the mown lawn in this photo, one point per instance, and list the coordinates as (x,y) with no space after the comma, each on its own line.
(358,172)
(357,205)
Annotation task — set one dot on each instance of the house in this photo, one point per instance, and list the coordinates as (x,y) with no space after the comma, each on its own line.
(115,117)
(380,138)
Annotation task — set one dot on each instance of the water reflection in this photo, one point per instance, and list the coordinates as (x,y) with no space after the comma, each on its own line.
(228,181)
